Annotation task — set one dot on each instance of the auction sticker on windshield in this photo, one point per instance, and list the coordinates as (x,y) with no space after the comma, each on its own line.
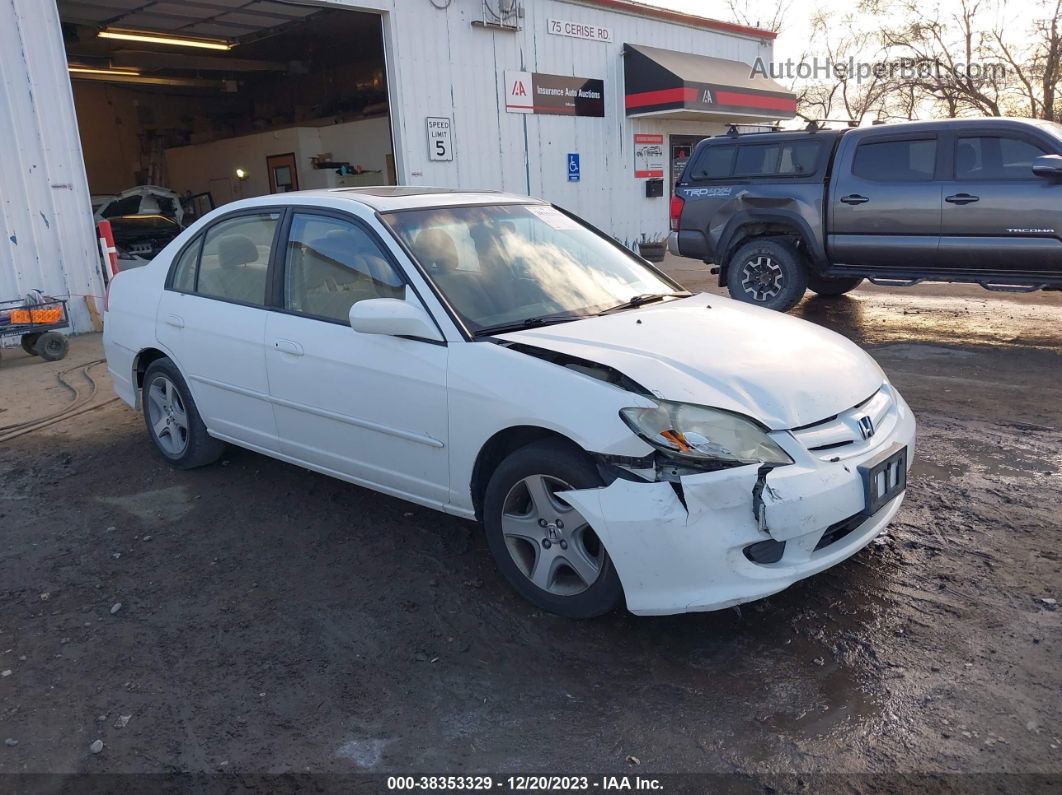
(552,216)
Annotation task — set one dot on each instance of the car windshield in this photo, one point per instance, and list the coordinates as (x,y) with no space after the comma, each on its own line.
(1053,127)
(516,265)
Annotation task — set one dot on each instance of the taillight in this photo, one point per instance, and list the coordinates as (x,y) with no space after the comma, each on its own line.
(677,203)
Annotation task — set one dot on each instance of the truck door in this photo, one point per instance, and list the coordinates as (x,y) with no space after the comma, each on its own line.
(997,215)
(885,203)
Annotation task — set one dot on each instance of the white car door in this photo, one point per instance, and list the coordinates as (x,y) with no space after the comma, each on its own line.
(368,407)
(212,319)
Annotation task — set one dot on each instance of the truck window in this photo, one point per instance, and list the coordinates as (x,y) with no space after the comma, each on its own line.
(896,161)
(757,160)
(713,162)
(799,158)
(994,157)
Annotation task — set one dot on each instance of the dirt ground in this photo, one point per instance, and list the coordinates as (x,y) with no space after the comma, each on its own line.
(253,617)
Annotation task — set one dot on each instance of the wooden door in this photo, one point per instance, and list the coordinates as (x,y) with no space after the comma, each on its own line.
(283,173)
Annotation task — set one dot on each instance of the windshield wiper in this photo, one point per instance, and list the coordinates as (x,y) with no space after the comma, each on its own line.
(526,323)
(642,299)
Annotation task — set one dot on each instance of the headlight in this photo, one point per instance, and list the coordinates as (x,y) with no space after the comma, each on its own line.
(697,433)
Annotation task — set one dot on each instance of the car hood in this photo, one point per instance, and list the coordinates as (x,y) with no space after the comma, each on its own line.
(783,371)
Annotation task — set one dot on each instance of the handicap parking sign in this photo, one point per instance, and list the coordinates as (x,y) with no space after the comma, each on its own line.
(573,167)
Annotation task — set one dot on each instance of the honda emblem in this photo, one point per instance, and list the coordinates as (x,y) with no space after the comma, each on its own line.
(866,427)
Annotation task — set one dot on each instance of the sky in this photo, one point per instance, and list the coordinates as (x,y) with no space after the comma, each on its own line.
(793,36)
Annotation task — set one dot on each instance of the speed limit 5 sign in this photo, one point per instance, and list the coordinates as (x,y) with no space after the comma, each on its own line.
(440,143)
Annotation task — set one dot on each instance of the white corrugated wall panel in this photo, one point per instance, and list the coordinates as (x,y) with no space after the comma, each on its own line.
(444,66)
(48,238)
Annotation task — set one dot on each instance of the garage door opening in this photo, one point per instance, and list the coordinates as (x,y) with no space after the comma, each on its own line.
(185,107)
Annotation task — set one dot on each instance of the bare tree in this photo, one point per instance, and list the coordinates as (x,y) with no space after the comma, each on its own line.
(976,60)
(757,14)
(845,93)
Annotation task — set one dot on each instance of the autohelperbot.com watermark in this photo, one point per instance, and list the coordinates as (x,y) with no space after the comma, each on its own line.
(816,68)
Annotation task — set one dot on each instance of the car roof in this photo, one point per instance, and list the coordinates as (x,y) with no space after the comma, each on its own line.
(390,198)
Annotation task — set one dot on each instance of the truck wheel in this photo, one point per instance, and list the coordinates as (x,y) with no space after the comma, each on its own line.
(51,346)
(768,273)
(829,287)
(29,343)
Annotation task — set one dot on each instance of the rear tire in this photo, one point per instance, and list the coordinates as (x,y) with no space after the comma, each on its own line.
(826,286)
(51,346)
(29,343)
(541,545)
(768,273)
(173,421)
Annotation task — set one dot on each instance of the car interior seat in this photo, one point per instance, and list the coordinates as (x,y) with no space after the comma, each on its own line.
(464,289)
(232,278)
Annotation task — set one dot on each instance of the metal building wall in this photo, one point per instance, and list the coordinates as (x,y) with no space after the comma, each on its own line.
(444,66)
(438,64)
(47,239)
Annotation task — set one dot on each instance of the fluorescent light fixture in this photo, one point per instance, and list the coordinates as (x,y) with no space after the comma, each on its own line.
(89,70)
(161,38)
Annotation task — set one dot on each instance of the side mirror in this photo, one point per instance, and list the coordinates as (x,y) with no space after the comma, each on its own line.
(1049,166)
(394,318)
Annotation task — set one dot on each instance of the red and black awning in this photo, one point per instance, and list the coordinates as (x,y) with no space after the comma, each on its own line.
(682,85)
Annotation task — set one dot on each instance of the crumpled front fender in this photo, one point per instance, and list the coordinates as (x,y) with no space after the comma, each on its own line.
(673,557)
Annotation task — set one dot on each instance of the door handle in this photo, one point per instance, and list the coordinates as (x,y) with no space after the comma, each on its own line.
(288,346)
(961,198)
(854,198)
(175,320)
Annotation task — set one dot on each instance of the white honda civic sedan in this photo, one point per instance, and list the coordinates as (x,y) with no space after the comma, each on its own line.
(496,358)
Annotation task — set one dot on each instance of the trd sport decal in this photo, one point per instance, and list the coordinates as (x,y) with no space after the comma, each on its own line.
(705,193)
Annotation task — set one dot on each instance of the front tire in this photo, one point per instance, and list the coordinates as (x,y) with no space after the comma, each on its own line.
(825,286)
(546,551)
(173,421)
(768,273)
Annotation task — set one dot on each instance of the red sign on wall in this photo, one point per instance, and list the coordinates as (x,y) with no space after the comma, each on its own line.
(648,156)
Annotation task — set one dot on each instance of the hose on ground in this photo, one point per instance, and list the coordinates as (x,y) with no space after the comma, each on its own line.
(79,404)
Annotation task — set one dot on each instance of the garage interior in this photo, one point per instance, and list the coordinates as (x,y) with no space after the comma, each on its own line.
(219,100)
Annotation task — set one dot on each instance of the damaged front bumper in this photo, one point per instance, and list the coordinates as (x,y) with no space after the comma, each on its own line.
(725,541)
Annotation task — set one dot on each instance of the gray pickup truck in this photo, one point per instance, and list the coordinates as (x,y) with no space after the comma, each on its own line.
(961,200)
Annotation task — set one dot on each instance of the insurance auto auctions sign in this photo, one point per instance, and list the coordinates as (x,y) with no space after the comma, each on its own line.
(558,95)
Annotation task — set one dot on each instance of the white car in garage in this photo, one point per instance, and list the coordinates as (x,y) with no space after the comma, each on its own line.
(495,358)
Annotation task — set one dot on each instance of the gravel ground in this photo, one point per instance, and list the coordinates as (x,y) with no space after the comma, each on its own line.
(253,617)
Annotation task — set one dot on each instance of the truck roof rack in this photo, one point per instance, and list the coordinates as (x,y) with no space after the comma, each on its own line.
(814,125)
(733,131)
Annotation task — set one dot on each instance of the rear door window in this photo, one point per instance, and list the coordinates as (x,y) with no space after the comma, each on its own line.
(912,160)
(235,258)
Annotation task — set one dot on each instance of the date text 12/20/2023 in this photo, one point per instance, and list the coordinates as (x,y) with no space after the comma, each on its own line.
(524,783)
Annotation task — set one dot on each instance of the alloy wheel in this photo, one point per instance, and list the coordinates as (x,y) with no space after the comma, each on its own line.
(168,416)
(762,278)
(549,541)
